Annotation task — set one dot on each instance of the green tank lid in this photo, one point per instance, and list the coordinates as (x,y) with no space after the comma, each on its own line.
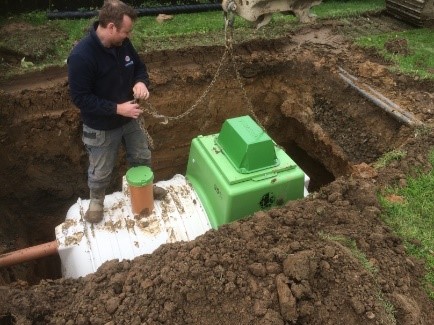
(246,145)
(139,176)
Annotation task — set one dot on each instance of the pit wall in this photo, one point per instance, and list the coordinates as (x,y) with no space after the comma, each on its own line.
(298,102)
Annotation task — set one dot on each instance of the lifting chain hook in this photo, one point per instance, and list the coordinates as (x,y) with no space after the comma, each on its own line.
(229,14)
(231,7)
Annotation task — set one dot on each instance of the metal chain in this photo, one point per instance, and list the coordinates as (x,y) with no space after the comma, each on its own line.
(229,22)
(145,131)
(229,27)
(153,112)
(228,50)
(246,97)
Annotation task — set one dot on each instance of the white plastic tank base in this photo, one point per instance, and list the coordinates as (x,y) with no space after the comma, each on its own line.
(83,247)
(306,184)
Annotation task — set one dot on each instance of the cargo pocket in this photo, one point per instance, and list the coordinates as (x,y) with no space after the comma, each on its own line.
(92,137)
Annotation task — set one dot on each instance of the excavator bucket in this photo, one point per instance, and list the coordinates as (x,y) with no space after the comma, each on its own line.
(260,11)
(415,12)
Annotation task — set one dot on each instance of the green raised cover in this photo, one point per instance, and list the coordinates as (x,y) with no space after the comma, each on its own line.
(226,193)
(246,145)
(139,176)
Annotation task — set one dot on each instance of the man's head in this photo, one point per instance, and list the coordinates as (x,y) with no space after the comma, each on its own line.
(117,19)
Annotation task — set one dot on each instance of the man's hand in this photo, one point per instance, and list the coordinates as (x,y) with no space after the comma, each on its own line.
(129,109)
(140,91)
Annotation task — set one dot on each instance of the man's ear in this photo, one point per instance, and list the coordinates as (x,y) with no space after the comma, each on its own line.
(111,27)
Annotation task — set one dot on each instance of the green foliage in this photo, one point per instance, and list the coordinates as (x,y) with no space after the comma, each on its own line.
(355,251)
(416,56)
(179,25)
(33,18)
(75,30)
(207,28)
(389,308)
(159,3)
(349,8)
(413,219)
(388,157)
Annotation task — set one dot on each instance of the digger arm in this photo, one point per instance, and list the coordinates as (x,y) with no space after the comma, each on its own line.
(260,11)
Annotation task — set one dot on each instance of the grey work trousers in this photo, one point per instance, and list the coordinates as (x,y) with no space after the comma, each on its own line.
(103,146)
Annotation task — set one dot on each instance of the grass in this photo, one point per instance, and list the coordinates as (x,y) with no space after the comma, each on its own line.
(412,218)
(417,58)
(344,9)
(183,30)
(387,158)
(199,29)
(352,246)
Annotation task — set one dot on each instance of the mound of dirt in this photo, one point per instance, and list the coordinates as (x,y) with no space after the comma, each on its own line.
(295,265)
(397,46)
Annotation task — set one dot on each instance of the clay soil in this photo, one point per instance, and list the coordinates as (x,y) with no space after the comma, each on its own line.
(288,265)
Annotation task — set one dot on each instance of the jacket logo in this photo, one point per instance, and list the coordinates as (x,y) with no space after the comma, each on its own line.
(128,61)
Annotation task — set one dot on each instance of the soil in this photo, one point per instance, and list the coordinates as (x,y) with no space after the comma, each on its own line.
(286,265)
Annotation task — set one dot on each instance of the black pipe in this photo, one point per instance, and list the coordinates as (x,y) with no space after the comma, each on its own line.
(154,11)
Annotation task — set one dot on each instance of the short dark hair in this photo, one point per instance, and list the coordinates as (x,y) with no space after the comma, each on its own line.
(113,11)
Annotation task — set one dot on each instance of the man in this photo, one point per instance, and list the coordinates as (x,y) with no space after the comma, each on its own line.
(105,76)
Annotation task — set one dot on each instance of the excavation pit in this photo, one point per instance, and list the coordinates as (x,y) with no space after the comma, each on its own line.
(321,122)
(246,271)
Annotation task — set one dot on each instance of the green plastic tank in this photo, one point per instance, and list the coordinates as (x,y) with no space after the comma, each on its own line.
(240,171)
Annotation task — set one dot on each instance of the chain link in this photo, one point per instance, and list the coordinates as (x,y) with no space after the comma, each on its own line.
(153,112)
(148,136)
(228,51)
(229,48)
(246,97)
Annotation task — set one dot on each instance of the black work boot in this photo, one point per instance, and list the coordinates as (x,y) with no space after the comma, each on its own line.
(159,193)
(95,213)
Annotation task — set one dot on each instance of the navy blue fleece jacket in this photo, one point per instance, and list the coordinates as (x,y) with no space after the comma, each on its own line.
(100,78)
